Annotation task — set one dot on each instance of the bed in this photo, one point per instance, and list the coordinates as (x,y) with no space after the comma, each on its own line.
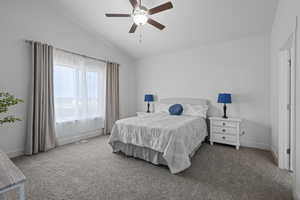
(161,138)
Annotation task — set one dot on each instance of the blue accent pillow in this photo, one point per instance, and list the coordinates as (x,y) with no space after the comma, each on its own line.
(176,109)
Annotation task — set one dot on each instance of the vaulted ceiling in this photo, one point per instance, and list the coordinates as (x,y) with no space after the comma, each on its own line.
(190,23)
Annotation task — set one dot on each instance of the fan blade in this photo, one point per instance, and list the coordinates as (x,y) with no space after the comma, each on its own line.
(134,3)
(156,24)
(117,15)
(161,8)
(133,28)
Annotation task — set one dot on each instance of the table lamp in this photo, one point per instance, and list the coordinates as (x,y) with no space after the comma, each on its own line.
(225,99)
(148,98)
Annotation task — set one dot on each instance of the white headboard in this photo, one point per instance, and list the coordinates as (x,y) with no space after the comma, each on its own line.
(193,101)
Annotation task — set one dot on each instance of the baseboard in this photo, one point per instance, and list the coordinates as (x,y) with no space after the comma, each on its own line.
(61,141)
(14,154)
(274,155)
(296,195)
(69,140)
(256,145)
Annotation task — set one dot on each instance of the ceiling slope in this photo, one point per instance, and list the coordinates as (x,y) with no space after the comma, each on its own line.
(189,24)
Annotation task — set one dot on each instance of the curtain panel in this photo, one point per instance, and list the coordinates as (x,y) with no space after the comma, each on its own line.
(112,113)
(41,123)
(79,95)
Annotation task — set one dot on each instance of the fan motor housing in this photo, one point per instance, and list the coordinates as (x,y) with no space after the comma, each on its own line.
(139,10)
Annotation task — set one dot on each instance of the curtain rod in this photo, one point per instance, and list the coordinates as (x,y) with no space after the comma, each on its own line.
(71,52)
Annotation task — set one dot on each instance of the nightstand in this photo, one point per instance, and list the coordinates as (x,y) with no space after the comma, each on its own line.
(142,114)
(226,131)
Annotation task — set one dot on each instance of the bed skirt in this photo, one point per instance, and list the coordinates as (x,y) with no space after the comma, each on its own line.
(143,153)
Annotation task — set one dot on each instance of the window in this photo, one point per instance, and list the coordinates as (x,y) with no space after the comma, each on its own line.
(79,94)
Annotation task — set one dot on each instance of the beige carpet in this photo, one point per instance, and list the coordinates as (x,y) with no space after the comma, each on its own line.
(90,171)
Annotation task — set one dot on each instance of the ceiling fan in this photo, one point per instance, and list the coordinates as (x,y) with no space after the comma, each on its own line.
(140,14)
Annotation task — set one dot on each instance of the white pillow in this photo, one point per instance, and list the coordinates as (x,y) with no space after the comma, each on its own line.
(161,108)
(195,110)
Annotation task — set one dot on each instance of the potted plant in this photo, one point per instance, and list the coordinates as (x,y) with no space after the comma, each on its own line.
(7,100)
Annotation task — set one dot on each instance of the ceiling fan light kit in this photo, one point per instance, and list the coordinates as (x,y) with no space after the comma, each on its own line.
(140,14)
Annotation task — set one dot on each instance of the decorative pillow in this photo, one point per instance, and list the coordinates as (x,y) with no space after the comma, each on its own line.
(161,108)
(195,110)
(176,109)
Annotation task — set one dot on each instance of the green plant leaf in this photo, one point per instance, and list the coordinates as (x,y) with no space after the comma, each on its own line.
(7,100)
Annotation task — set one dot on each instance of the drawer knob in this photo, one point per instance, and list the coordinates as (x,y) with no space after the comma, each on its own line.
(224,124)
(223,137)
(224,130)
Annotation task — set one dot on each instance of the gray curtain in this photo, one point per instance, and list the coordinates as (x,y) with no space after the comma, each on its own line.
(41,122)
(112,112)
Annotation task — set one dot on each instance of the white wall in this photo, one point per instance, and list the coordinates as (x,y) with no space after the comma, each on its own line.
(240,67)
(283,26)
(34,19)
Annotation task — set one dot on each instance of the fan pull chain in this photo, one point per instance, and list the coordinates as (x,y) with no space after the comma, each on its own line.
(140,39)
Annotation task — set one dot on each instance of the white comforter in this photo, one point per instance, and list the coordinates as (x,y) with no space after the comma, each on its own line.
(176,137)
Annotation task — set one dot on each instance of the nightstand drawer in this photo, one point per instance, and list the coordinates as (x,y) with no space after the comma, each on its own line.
(224,130)
(224,138)
(224,123)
